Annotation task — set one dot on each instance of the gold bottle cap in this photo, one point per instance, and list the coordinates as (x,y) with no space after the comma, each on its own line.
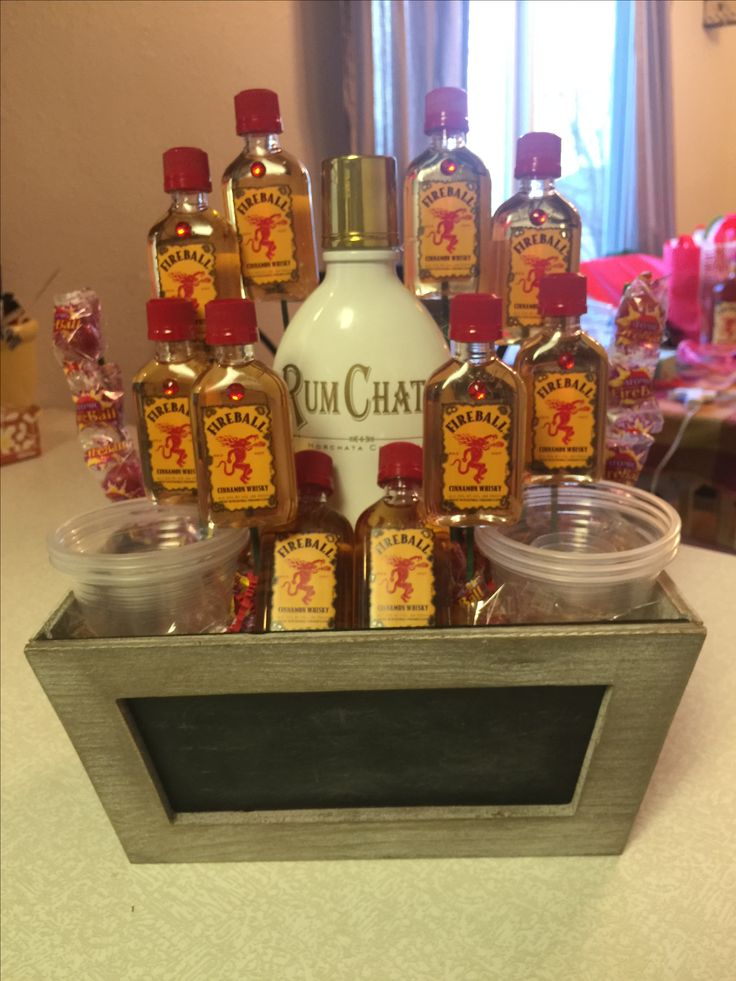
(359,203)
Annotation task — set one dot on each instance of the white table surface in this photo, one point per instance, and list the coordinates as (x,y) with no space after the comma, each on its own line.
(74,908)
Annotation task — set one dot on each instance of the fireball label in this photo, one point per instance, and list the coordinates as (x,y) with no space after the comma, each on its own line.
(170,444)
(401,581)
(240,457)
(563,420)
(724,323)
(265,223)
(476,457)
(304,583)
(187,272)
(448,230)
(535,253)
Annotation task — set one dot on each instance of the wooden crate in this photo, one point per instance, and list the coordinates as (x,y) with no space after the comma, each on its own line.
(536,740)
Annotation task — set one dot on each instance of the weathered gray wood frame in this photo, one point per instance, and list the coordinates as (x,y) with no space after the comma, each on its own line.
(645,667)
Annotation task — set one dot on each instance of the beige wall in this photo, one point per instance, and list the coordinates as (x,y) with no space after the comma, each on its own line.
(704,83)
(93,92)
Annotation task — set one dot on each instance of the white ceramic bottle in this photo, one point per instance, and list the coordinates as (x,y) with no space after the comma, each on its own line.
(357,354)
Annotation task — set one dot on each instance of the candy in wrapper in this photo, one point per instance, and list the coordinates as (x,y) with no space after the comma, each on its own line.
(633,412)
(97,392)
(639,325)
(77,333)
(626,453)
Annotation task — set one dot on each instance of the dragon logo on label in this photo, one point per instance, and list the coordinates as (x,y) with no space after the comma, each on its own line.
(563,424)
(261,240)
(239,457)
(397,580)
(188,283)
(562,414)
(472,458)
(301,581)
(173,443)
(539,267)
(446,222)
(238,448)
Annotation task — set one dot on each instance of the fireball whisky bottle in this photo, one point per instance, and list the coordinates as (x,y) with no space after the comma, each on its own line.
(268,200)
(474,423)
(162,390)
(193,250)
(243,429)
(535,233)
(307,571)
(401,559)
(566,377)
(447,206)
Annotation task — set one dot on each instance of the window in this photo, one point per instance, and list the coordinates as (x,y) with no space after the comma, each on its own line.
(535,65)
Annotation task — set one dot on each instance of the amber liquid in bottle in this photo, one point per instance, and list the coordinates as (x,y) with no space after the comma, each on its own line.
(402,571)
(474,433)
(162,390)
(565,373)
(268,200)
(194,254)
(307,571)
(724,309)
(245,461)
(535,233)
(447,214)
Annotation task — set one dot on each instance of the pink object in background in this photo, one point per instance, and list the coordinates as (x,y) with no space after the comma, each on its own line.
(713,365)
(682,265)
(607,277)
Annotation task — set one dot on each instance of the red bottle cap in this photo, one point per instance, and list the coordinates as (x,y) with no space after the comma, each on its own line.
(446,108)
(170,319)
(314,469)
(538,155)
(563,295)
(186,168)
(231,322)
(257,111)
(475,317)
(400,460)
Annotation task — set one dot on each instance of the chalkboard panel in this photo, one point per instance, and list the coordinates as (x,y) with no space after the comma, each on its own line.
(429,747)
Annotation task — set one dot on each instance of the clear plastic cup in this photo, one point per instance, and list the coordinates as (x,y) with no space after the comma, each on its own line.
(141,569)
(582,551)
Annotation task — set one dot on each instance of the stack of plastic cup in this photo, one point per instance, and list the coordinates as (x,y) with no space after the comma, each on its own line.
(140,569)
(582,552)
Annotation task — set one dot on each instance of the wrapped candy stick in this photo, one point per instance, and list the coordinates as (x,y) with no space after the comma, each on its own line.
(634,415)
(97,391)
